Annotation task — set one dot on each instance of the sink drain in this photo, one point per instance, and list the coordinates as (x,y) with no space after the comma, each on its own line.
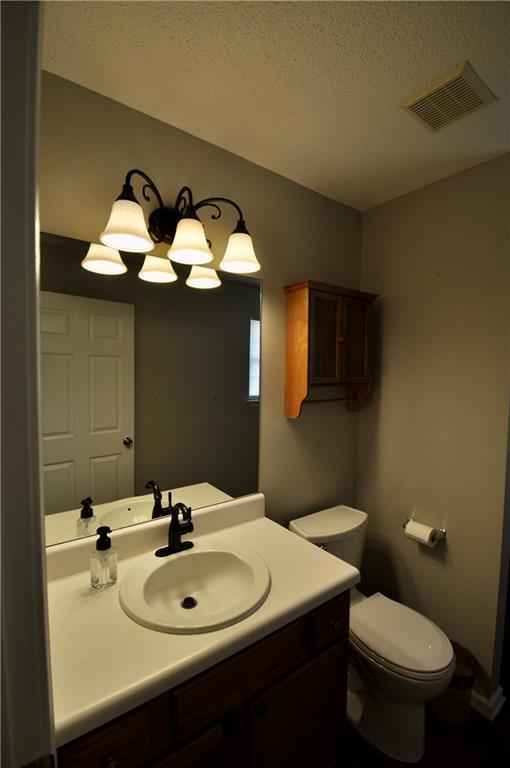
(189,602)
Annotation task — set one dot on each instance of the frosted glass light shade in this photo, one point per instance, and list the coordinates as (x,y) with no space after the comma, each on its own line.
(157,270)
(126,228)
(239,256)
(103,260)
(203,277)
(190,245)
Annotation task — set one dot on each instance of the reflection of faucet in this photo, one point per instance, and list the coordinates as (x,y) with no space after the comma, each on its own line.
(157,510)
(176,528)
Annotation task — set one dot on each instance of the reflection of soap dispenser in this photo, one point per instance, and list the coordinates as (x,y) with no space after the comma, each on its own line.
(103,563)
(87,521)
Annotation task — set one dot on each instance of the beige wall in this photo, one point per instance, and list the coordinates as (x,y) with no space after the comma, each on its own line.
(88,143)
(432,439)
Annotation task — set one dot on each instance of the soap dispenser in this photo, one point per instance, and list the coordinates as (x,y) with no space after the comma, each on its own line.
(87,521)
(103,563)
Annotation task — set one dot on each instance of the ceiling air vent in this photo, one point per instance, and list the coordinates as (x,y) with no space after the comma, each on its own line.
(449,97)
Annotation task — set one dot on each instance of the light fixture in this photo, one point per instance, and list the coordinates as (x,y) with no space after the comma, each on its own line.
(240,256)
(157,270)
(190,245)
(203,277)
(103,260)
(126,228)
(179,227)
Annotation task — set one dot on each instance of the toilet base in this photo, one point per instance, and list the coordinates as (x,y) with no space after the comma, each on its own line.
(393,727)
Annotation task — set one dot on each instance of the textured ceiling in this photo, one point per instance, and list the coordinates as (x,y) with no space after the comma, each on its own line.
(310,90)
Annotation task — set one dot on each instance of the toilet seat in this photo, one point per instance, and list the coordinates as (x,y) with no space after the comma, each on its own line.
(400,639)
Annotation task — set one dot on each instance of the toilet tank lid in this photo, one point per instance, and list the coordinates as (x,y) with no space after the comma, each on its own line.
(331,524)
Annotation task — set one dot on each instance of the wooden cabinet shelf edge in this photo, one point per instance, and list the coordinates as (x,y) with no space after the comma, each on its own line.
(329,345)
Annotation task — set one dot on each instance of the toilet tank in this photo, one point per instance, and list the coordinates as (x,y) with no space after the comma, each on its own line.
(340,530)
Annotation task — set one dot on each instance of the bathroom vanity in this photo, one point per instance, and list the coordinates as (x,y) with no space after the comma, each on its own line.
(269,690)
(279,702)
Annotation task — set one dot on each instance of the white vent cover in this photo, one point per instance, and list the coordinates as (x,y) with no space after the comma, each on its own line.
(449,97)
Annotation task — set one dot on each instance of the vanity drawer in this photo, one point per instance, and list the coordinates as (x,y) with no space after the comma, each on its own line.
(330,622)
(130,741)
(206,699)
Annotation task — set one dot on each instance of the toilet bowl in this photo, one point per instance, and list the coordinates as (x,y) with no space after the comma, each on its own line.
(399,659)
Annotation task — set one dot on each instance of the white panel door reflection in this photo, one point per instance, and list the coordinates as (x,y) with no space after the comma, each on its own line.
(87,378)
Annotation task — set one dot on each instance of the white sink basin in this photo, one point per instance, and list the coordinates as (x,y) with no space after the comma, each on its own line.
(126,512)
(221,587)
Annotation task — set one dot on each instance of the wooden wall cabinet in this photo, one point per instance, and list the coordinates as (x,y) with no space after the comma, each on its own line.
(329,345)
(280,702)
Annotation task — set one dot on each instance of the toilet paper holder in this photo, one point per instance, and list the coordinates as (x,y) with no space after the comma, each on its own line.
(441,532)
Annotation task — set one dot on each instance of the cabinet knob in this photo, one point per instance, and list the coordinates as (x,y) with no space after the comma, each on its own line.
(336,625)
(111,762)
(260,709)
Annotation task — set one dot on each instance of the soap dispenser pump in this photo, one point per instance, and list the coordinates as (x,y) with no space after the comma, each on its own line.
(87,521)
(103,562)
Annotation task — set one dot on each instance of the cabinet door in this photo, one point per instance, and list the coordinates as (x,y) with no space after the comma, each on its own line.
(325,349)
(299,722)
(206,751)
(355,340)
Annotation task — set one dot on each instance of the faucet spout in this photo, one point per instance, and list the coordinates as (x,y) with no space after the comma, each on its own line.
(157,510)
(176,529)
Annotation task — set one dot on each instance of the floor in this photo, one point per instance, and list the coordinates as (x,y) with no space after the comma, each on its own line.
(477,744)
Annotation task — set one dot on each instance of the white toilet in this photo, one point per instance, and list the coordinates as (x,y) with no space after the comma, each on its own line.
(399,659)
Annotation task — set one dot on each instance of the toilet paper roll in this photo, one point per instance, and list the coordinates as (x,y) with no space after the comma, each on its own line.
(421,533)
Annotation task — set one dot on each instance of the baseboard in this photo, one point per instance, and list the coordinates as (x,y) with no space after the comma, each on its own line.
(488,708)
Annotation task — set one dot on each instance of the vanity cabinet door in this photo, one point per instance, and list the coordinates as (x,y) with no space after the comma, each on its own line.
(131,741)
(299,722)
(206,751)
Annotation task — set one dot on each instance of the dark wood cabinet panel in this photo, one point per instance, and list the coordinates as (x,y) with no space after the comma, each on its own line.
(206,751)
(330,623)
(329,345)
(299,722)
(356,338)
(215,721)
(325,332)
(127,742)
(207,698)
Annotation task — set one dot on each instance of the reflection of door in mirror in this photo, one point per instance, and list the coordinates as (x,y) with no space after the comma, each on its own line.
(87,377)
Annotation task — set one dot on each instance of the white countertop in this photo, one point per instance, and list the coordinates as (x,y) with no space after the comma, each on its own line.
(104,664)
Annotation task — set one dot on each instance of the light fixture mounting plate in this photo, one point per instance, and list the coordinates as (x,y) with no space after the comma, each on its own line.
(162,225)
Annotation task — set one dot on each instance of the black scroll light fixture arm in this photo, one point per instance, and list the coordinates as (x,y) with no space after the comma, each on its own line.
(163,220)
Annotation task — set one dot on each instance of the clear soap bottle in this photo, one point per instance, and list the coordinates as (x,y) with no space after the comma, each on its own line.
(87,521)
(103,563)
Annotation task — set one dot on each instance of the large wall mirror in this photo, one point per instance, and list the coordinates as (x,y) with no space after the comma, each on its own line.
(140,382)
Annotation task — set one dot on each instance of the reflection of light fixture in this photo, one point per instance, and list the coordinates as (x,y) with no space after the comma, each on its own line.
(203,277)
(179,227)
(157,270)
(103,260)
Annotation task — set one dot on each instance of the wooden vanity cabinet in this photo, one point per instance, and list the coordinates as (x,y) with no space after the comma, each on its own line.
(279,702)
(329,345)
